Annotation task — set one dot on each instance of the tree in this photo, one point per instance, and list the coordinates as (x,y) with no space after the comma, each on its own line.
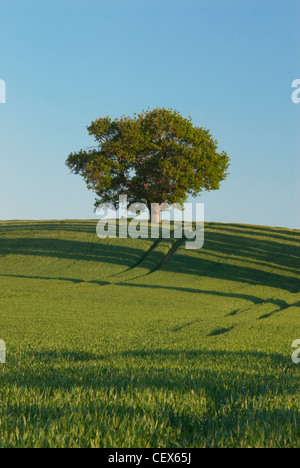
(154,157)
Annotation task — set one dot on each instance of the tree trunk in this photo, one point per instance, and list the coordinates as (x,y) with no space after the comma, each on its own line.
(155,213)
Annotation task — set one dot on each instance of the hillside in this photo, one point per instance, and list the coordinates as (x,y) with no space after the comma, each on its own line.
(126,343)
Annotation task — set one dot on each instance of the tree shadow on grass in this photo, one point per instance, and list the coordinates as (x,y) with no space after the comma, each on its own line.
(217,383)
(255,300)
(54,278)
(225,255)
(65,356)
(128,423)
(221,331)
(281,234)
(98,251)
(147,368)
(83,226)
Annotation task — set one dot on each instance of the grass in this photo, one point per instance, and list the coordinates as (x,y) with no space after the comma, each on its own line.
(109,346)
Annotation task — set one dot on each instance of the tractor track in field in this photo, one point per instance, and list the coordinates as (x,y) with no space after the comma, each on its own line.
(272,306)
(121,277)
(143,264)
(171,252)
(146,254)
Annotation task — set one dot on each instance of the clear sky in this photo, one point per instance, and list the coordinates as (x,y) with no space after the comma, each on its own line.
(227,63)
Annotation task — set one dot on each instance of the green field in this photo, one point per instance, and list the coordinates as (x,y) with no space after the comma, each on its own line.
(108,345)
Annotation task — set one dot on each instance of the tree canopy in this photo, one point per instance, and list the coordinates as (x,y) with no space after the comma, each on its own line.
(156,156)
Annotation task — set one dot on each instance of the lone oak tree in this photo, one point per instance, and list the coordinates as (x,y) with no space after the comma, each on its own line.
(154,157)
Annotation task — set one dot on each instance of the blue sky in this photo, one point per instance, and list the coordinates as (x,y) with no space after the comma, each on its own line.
(227,63)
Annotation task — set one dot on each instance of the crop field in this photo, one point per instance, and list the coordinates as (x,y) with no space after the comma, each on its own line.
(142,343)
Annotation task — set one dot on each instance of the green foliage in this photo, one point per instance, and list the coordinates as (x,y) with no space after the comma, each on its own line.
(107,347)
(156,156)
